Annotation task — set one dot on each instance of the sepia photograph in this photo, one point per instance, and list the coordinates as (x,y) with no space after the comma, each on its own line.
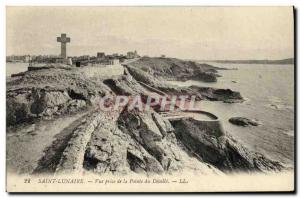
(150,99)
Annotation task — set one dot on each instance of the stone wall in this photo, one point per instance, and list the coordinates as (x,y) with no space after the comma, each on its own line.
(104,71)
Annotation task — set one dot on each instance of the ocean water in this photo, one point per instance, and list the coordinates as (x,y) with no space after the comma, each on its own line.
(269,93)
(14,68)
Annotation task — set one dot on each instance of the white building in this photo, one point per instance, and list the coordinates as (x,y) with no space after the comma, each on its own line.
(114,61)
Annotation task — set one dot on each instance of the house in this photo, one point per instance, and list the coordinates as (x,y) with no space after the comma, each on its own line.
(100,55)
(131,55)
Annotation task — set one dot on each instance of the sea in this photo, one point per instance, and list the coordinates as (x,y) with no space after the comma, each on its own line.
(14,68)
(269,94)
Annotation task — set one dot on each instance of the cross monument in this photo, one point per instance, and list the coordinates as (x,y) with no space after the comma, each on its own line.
(63,39)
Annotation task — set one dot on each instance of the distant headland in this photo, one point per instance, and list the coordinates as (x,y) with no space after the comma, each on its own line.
(265,61)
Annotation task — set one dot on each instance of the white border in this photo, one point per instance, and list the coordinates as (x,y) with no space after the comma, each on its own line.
(154,2)
(4,3)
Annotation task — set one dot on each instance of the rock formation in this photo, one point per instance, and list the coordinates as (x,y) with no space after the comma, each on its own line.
(219,149)
(175,69)
(241,121)
(201,93)
(123,142)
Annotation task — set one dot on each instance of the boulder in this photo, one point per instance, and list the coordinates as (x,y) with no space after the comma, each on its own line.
(241,121)
(17,112)
(214,94)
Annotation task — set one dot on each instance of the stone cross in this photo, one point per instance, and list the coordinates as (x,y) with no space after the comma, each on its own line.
(63,39)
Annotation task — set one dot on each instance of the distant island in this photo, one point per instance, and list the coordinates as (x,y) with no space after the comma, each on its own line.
(282,61)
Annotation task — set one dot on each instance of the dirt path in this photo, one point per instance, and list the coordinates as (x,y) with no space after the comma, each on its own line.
(25,146)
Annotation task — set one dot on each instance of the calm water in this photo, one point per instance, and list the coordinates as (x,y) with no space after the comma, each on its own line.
(269,90)
(13,68)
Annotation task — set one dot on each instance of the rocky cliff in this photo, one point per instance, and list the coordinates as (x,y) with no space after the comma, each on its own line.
(123,141)
(202,93)
(176,69)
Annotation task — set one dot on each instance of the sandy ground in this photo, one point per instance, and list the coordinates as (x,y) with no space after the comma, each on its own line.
(25,145)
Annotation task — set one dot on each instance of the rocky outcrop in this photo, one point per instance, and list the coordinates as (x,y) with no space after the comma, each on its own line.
(50,66)
(73,156)
(125,85)
(128,141)
(146,143)
(142,76)
(201,93)
(110,150)
(131,142)
(50,92)
(40,103)
(221,150)
(175,69)
(213,94)
(241,121)
(17,111)
(150,131)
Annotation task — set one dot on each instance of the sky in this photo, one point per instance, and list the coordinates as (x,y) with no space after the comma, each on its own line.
(204,33)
